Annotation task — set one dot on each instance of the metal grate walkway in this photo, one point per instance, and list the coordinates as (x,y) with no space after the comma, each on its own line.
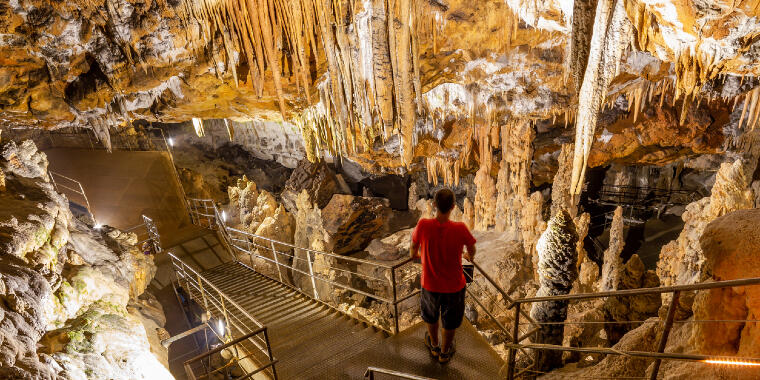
(314,341)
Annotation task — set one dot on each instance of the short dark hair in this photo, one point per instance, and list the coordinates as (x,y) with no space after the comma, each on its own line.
(444,200)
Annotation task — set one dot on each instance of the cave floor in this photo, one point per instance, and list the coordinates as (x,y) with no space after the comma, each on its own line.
(313,341)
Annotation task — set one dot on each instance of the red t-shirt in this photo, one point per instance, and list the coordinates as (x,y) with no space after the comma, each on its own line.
(441,247)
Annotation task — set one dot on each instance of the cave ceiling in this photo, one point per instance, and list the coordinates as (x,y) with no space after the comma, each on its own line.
(389,81)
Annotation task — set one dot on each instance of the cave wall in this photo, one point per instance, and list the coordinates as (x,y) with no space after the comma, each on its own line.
(73,297)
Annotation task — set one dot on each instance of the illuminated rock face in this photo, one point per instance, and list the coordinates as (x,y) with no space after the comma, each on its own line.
(70,291)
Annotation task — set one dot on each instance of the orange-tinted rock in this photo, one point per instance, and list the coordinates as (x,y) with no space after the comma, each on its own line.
(730,244)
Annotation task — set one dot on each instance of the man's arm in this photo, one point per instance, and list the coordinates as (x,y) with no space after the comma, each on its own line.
(470,254)
(414,250)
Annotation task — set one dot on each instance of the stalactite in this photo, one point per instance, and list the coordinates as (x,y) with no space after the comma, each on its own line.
(283,39)
(580,41)
(611,30)
(230,129)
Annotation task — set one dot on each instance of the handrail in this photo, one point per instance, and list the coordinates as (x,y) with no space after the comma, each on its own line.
(370,374)
(205,212)
(80,192)
(659,355)
(233,303)
(261,330)
(643,291)
(208,300)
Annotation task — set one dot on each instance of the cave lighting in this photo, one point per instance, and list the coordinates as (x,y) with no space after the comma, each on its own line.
(171,141)
(732,362)
(220,327)
(224,216)
(198,125)
(98,226)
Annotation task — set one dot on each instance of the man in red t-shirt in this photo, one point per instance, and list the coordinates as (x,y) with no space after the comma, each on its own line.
(439,243)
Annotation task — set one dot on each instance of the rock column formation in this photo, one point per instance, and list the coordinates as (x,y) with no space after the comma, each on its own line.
(513,182)
(612,260)
(557,272)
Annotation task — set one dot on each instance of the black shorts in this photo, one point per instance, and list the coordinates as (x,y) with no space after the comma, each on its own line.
(450,307)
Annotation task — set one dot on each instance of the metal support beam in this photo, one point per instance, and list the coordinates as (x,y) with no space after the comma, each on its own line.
(665,333)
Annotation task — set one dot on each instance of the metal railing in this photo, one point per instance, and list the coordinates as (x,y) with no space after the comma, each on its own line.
(254,341)
(668,323)
(643,197)
(290,261)
(71,188)
(371,371)
(236,358)
(145,139)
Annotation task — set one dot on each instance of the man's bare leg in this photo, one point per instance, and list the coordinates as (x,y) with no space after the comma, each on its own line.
(433,332)
(448,338)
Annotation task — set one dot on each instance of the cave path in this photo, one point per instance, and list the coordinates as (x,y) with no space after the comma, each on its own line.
(313,341)
(123,185)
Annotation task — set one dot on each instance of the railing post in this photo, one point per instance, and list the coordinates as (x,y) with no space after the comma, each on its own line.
(395,299)
(203,294)
(276,260)
(513,350)
(224,313)
(311,273)
(665,333)
(269,352)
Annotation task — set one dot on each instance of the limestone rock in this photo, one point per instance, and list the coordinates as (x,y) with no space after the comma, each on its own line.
(632,275)
(317,179)
(643,338)
(392,187)
(681,261)
(561,197)
(392,247)
(468,214)
(65,287)
(352,222)
(24,160)
(729,244)
(485,199)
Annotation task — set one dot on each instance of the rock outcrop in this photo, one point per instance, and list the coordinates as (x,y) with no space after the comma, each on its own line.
(729,244)
(66,286)
(317,179)
(682,260)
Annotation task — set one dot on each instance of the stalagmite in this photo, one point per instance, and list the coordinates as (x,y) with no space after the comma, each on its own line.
(485,198)
(557,271)
(613,263)
(513,182)
(561,197)
(611,30)
(468,216)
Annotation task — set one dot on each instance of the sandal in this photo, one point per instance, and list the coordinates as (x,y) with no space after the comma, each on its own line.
(445,357)
(434,350)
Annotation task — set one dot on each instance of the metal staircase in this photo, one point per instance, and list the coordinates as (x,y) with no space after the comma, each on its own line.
(308,337)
